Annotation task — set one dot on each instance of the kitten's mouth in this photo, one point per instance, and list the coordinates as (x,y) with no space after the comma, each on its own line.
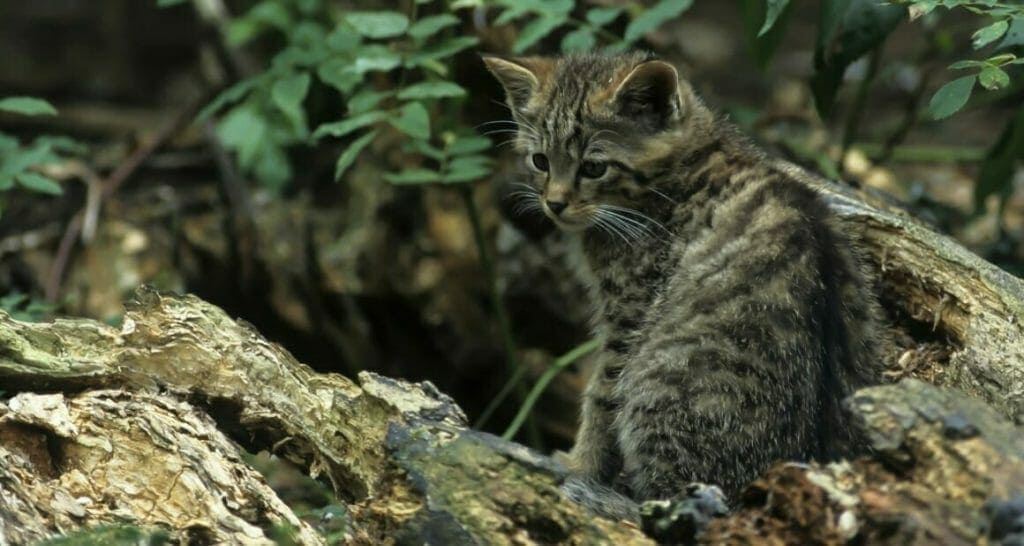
(569,220)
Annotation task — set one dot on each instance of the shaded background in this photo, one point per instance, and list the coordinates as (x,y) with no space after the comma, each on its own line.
(362,273)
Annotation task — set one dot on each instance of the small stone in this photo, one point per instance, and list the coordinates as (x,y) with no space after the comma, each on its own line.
(957,427)
(1006,524)
(682,519)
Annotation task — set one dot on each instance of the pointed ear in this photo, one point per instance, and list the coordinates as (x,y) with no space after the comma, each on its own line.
(650,94)
(520,77)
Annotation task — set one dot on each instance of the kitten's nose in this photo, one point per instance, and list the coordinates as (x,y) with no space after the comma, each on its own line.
(556,206)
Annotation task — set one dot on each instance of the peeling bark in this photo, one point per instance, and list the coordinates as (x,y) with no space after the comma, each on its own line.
(978,307)
(941,462)
(398,453)
(111,456)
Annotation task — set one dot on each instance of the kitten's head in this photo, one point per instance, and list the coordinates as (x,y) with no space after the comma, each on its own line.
(593,130)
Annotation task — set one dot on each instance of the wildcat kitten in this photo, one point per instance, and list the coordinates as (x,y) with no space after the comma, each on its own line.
(733,307)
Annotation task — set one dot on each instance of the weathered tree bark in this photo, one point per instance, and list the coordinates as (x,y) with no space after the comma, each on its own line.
(943,465)
(978,307)
(107,456)
(399,454)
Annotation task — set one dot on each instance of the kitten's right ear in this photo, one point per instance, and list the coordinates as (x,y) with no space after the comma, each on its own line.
(519,76)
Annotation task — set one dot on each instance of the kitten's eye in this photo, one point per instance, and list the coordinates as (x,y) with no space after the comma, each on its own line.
(593,169)
(540,161)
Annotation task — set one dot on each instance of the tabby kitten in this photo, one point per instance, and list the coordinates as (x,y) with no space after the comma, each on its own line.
(733,307)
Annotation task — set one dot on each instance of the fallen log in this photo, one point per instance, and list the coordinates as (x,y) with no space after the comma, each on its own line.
(398,454)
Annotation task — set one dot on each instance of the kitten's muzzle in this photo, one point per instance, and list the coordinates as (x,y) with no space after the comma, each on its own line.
(556,207)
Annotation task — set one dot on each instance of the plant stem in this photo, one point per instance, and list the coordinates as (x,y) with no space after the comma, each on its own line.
(514,367)
(557,366)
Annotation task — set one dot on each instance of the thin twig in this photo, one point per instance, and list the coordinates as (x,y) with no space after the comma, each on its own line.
(109,185)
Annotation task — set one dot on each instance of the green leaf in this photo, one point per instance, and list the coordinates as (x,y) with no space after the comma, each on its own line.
(467,168)
(440,50)
(960,65)
(167,3)
(366,100)
(61,144)
(243,129)
(535,31)
(986,35)
(28,106)
(774,9)
(343,39)
(288,94)
(38,183)
(469,145)
(424,147)
(431,90)
(762,47)
(1015,34)
(378,24)
(413,120)
(350,154)
(600,17)
(39,153)
(654,17)
(413,176)
(7,143)
(272,168)
(228,96)
(581,39)
(509,15)
(429,26)
(1004,58)
(919,9)
(341,128)
(951,97)
(376,57)
(265,15)
(339,74)
(993,77)
(848,29)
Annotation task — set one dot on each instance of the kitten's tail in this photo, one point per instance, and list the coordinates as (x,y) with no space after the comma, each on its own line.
(601,500)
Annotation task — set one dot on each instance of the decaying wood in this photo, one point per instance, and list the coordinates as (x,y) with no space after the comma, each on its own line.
(978,307)
(399,454)
(107,456)
(942,462)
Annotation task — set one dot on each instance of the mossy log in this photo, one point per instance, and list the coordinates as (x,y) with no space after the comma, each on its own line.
(946,469)
(127,441)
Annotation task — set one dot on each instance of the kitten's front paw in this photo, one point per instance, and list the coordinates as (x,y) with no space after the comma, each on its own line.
(600,499)
(682,519)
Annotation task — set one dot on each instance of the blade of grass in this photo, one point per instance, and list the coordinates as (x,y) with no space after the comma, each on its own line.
(556,367)
(514,367)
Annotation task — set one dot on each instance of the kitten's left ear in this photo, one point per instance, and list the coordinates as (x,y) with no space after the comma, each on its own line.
(519,76)
(650,94)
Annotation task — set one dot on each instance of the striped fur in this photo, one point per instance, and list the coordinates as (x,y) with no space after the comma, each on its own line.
(735,311)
